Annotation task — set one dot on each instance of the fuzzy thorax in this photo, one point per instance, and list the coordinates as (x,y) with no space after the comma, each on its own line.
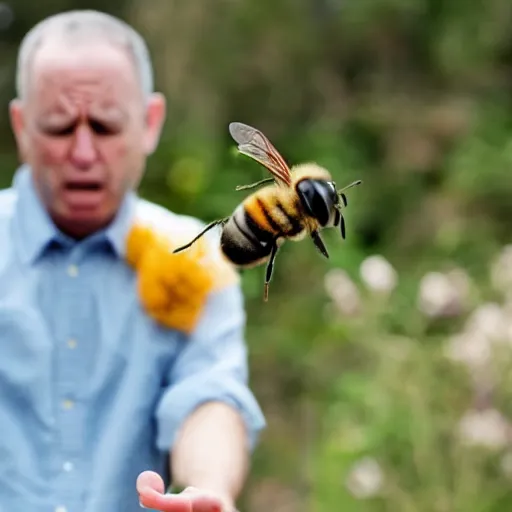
(310,170)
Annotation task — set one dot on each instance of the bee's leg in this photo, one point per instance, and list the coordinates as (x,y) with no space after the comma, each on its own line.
(270,268)
(207,228)
(342,226)
(315,235)
(340,221)
(254,185)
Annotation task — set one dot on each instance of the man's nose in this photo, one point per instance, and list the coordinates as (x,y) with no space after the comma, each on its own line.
(83,151)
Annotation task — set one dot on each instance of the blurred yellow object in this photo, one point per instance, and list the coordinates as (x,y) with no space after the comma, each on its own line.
(174,288)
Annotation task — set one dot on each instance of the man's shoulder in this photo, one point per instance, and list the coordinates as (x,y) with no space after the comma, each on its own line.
(8,197)
(166,221)
(175,287)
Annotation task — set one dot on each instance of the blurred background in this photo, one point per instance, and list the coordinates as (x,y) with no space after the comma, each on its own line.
(384,372)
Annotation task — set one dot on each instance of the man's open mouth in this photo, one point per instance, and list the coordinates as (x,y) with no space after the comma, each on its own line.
(84,186)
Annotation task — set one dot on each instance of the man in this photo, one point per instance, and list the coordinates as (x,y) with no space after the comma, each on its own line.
(99,401)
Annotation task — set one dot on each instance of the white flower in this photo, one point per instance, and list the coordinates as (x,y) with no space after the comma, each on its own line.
(489,320)
(343,292)
(484,428)
(365,479)
(443,294)
(488,326)
(469,348)
(378,274)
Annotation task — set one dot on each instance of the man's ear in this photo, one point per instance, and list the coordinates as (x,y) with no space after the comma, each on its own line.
(16,116)
(155,117)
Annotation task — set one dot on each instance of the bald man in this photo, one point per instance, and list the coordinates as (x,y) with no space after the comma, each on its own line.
(102,407)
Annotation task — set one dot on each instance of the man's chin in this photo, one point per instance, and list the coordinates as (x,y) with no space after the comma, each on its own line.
(80,223)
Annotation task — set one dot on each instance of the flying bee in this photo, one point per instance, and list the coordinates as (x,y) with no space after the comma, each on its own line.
(294,203)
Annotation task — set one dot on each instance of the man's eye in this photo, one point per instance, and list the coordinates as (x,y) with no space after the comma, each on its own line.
(102,129)
(58,131)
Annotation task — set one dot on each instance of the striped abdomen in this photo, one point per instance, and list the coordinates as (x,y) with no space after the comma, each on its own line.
(277,212)
(248,236)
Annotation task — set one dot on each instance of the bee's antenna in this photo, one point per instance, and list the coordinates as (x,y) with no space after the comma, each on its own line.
(342,195)
(353,184)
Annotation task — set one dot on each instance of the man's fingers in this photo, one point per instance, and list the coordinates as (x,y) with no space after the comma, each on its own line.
(180,502)
(164,502)
(152,480)
(151,489)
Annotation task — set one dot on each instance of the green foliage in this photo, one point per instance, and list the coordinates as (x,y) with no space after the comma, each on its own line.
(364,407)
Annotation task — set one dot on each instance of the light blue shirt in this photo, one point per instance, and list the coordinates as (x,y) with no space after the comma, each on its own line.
(92,390)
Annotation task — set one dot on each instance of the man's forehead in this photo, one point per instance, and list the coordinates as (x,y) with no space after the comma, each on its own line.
(58,63)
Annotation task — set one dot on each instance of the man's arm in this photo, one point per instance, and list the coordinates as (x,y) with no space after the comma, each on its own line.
(211,452)
(207,418)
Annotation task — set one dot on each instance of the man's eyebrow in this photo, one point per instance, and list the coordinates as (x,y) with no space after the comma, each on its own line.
(60,115)
(52,119)
(108,113)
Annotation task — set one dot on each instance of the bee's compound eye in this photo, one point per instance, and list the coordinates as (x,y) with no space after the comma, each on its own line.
(316,199)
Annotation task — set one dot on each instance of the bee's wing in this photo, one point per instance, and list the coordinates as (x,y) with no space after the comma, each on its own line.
(253,143)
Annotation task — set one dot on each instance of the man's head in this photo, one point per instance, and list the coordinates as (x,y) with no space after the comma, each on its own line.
(85,117)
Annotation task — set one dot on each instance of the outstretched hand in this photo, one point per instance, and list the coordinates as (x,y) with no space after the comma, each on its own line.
(151,489)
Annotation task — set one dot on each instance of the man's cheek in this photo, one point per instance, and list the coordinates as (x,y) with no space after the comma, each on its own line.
(50,152)
(115,148)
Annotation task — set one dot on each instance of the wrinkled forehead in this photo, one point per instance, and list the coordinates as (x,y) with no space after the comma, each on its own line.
(82,75)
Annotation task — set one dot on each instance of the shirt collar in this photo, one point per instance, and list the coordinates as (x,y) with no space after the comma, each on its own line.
(35,230)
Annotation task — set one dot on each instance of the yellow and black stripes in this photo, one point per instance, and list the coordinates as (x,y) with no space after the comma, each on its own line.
(276,213)
(293,217)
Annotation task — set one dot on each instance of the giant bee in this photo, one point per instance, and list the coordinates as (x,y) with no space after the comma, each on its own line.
(300,202)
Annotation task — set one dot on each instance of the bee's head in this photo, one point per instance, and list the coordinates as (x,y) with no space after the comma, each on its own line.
(319,199)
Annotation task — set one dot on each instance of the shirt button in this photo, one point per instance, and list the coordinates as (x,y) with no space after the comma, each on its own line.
(72,270)
(67,404)
(67,466)
(72,343)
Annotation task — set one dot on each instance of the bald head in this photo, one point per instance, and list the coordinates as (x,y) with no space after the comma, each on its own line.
(86,116)
(80,28)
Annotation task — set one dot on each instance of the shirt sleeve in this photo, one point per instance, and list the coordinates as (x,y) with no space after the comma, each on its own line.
(212,366)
